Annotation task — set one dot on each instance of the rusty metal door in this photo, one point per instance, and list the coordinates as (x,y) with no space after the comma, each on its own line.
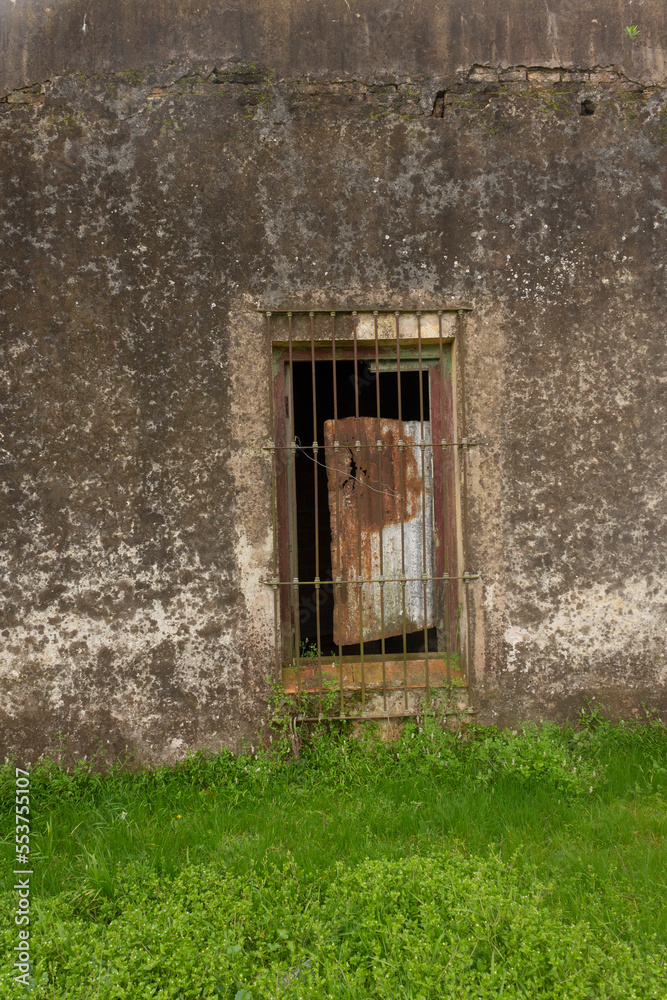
(381,513)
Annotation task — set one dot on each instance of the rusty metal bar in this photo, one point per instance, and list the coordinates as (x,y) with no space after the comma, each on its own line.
(388,579)
(294,548)
(274,510)
(401,465)
(383,716)
(379,444)
(357,450)
(284,310)
(467,443)
(464,486)
(445,503)
(423,476)
(337,583)
(317,511)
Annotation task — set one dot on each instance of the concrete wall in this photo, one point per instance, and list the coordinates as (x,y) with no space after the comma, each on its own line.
(171,166)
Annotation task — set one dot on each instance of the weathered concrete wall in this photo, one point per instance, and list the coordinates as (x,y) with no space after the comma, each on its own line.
(146,211)
(361,39)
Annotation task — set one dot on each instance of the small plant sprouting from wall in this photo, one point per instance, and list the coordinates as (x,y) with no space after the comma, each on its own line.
(632,31)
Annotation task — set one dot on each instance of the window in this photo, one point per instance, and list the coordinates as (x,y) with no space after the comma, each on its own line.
(369,597)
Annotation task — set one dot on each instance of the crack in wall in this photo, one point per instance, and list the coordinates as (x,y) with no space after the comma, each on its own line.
(491,80)
(33,94)
(254,87)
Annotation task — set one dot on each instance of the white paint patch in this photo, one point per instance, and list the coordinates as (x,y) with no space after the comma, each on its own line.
(253,565)
(513,636)
(597,621)
(401,544)
(67,671)
(598,624)
(408,325)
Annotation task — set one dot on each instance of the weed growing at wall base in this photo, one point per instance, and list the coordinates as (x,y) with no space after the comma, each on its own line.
(477,864)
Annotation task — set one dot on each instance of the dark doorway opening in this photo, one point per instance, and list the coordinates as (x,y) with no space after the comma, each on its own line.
(311,478)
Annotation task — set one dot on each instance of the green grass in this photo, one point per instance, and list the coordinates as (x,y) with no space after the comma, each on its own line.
(480,864)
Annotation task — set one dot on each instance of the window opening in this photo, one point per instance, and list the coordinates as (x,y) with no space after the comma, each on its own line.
(360,478)
(369,602)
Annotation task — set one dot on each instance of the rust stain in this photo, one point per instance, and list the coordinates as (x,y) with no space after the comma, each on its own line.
(377,504)
(306,678)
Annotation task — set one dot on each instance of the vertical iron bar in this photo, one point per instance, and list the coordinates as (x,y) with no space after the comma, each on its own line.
(357,493)
(423,471)
(274,510)
(445,513)
(316,451)
(464,486)
(337,584)
(401,455)
(295,548)
(380,451)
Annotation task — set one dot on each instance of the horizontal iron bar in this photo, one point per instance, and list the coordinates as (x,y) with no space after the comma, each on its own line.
(372,718)
(335,660)
(464,443)
(374,688)
(286,311)
(393,579)
(386,348)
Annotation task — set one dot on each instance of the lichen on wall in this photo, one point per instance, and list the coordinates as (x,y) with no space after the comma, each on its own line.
(148,213)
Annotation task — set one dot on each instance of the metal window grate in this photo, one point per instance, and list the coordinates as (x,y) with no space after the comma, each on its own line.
(369,502)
